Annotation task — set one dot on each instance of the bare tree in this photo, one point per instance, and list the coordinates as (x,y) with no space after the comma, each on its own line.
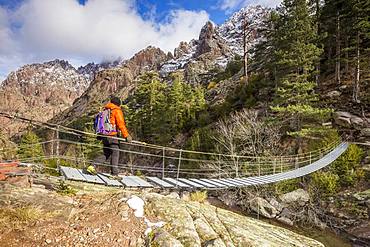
(357,70)
(337,54)
(248,35)
(244,133)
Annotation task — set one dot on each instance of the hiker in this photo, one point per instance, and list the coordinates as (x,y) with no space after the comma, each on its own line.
(116,128)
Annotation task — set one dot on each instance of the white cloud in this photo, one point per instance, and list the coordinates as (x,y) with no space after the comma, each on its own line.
(230,5)
(8,47)
(101,29)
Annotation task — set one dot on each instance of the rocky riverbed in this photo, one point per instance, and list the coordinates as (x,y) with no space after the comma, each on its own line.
(347,214)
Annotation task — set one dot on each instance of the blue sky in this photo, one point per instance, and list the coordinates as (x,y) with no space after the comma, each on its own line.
(163,7)
(83,31)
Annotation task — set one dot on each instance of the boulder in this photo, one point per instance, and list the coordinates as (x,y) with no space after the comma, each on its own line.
(343,114)
(196,224)
(229,199)
(333,94)
(285,221)
(287,213)
(348,120)
(263,207)
(214,243)
(174,195)
(205,231)
(357,122)
(363,195)
(299,196)
(277,205)
(165,239)
(185,196)
(343,121)
(365,132)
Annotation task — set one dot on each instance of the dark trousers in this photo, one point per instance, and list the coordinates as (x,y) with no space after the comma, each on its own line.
(111,151)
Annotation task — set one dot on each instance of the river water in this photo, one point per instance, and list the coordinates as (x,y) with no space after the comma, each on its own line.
(327,237)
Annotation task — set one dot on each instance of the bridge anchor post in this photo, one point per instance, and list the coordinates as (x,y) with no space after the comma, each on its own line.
(281,164)
(178,166)
(163,161)
(296,162)
(57,147)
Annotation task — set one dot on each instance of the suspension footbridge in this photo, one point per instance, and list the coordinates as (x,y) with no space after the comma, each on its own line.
(169,167)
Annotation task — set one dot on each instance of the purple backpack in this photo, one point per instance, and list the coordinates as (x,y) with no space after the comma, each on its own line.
(102,124)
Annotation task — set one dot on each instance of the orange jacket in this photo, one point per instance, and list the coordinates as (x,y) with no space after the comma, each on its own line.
(117,119)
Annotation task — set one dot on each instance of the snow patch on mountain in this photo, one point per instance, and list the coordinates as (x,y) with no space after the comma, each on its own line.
(57,73)
(91,69)
(230,32)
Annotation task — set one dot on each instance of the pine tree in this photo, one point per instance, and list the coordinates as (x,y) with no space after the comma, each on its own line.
(159,111)
(265,57)
(29,147)
(360,12)
(296,54)
(94,147)
(148,108)
(199,102)
(176,103)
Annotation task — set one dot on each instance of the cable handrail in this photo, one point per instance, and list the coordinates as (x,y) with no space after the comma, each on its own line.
(69,130)
(81,159)
(189,159)
(254,173)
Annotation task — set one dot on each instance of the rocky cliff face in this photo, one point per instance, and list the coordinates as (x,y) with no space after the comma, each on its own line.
(40,91)
(196,224)
(91,69)
(117,80)
(216,45)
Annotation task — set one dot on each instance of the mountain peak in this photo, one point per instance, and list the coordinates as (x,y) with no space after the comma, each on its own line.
(62,63)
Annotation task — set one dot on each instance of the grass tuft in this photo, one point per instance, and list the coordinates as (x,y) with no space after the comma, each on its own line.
(15,218)
(199,196)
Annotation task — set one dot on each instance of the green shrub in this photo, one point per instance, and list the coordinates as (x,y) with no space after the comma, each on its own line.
(65,189)
(324,183)
(347,166)
(323,138)
(286,186)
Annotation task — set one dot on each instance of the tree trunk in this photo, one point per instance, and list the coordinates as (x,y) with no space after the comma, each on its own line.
(347,55)
(317,66)
(245,49)
(337,54)
(357,70)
